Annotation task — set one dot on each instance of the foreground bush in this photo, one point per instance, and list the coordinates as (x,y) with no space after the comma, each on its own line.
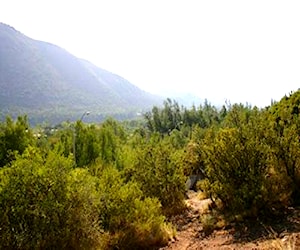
(133,220)
(236,167)
(237,162)
(285,134)
(47,205)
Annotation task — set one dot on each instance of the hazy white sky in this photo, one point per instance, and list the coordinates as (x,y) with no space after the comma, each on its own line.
(236,50)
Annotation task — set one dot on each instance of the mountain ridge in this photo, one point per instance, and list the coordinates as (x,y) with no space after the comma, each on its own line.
(50,84)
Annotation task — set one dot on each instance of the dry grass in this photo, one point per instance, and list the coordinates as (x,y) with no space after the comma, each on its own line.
(202,195)
(287,242)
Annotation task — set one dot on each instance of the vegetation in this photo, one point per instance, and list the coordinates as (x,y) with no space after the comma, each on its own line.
(124,180)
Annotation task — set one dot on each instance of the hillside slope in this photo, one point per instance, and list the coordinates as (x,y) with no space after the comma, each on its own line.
(50,84)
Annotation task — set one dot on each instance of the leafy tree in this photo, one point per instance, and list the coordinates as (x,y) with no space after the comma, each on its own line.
(87,148)
(15,136)
(173,117)
(210,114)
(166,119)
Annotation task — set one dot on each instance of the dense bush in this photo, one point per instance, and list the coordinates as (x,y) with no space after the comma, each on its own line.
(252,162)
(47,205)
(235,167)
(157,168)
(284,137)
(133,220)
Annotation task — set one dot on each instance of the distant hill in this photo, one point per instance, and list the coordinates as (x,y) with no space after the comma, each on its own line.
(51,85)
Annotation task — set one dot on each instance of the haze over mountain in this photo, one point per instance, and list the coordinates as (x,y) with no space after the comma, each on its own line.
(50,84)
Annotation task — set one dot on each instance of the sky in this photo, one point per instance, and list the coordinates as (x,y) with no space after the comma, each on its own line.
(239,51)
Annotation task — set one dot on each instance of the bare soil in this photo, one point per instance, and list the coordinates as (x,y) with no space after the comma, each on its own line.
(283,233)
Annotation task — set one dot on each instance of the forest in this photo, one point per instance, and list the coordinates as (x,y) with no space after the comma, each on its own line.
(115,185)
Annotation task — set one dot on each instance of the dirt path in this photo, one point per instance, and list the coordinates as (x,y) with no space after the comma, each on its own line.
(188,224)
(190,234)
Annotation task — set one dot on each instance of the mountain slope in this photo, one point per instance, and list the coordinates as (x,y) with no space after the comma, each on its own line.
(50,84)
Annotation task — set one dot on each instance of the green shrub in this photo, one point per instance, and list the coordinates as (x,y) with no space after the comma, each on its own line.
(158,170)
(284,132)
(47,205)
(133,221)
(15,136)
(236,166)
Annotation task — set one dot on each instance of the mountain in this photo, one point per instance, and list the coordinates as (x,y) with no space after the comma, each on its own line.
(51,85)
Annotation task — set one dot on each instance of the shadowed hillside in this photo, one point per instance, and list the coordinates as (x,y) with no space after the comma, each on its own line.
(50,84)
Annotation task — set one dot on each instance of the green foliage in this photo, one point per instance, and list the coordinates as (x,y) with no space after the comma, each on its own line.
(173,117)
(284,137)
(98,142)
(236,166)
(111,136)
(166,119)
(88,142)
(251,164)
(15,136)
(126,181)
(47,205)
(132,220)
(157,168)
(236,161)
(87,148)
